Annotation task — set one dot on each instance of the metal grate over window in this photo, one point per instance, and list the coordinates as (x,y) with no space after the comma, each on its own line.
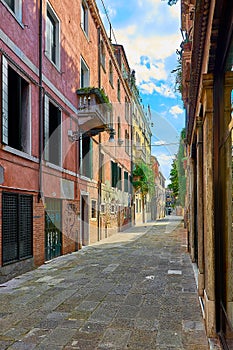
(16,227)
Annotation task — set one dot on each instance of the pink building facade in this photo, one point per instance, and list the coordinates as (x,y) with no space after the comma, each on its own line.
(64,95)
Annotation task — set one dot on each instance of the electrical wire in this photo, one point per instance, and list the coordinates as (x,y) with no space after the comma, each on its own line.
(106,13)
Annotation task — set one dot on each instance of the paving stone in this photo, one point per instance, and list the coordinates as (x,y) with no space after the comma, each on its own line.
(135,295)
(114,339)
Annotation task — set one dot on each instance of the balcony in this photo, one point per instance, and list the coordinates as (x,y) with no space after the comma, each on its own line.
(139,152)
(94,111)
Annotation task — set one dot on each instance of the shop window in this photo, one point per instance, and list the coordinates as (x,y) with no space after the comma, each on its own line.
(16,109)
(16,7)
(84,17)
(52,37)
(85,76)
(16,227)
(52,133)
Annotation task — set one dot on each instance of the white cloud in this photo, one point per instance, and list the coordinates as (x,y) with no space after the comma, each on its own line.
(165,90)
(157,47)
(160,143)
(175,111)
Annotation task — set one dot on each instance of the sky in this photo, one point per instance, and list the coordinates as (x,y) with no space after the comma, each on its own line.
(149,30)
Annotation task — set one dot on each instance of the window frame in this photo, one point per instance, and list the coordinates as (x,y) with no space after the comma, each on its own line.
(17,11)
(48,50)
(84,77)
(102,55)
(24,113)
(118,90)
(93,209)
(47,155)
(111,72)
(84,22)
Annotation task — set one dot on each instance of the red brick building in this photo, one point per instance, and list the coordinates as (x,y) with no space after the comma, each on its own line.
(65,91)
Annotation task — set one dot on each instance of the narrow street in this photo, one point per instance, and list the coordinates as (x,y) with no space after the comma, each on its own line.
(132,291)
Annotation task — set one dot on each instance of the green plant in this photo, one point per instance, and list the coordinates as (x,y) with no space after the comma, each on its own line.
(99,93)
(143,178)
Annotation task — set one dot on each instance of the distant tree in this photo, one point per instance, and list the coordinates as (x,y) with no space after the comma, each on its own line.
(143,181)
(174,185)
(143,178)
(177,173)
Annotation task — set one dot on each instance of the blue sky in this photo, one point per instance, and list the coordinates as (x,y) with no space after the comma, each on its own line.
(149,30)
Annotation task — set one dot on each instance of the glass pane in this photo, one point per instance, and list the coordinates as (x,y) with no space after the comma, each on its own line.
(11,4)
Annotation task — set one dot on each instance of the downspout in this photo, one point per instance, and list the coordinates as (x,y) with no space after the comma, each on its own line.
(99,201)
(40,106)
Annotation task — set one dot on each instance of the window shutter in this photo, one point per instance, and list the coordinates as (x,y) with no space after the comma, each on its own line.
(4,101)
(46,127)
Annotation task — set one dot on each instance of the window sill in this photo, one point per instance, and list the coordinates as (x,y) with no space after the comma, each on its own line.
(56,66)
(20,154)
(17,18)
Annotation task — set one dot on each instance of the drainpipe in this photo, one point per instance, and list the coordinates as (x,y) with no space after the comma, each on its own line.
(40,105)
(99,149)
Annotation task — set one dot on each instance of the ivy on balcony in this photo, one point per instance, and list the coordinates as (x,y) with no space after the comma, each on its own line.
(99,93)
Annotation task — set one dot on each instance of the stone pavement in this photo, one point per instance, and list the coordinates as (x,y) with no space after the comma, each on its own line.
(135,290)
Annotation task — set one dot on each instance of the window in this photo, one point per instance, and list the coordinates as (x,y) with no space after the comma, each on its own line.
(119,127)
(127,144)
(102,54)
(16,126)
(86,157)
(52,37)
(112,208)
(85,77)
(126,181)
(84,17)
(110,73)
(52,132)
(16,7)
(119,178)
(102,208)
(127,110)
(93,209)
(118,90)
(16,227)
(116,175)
